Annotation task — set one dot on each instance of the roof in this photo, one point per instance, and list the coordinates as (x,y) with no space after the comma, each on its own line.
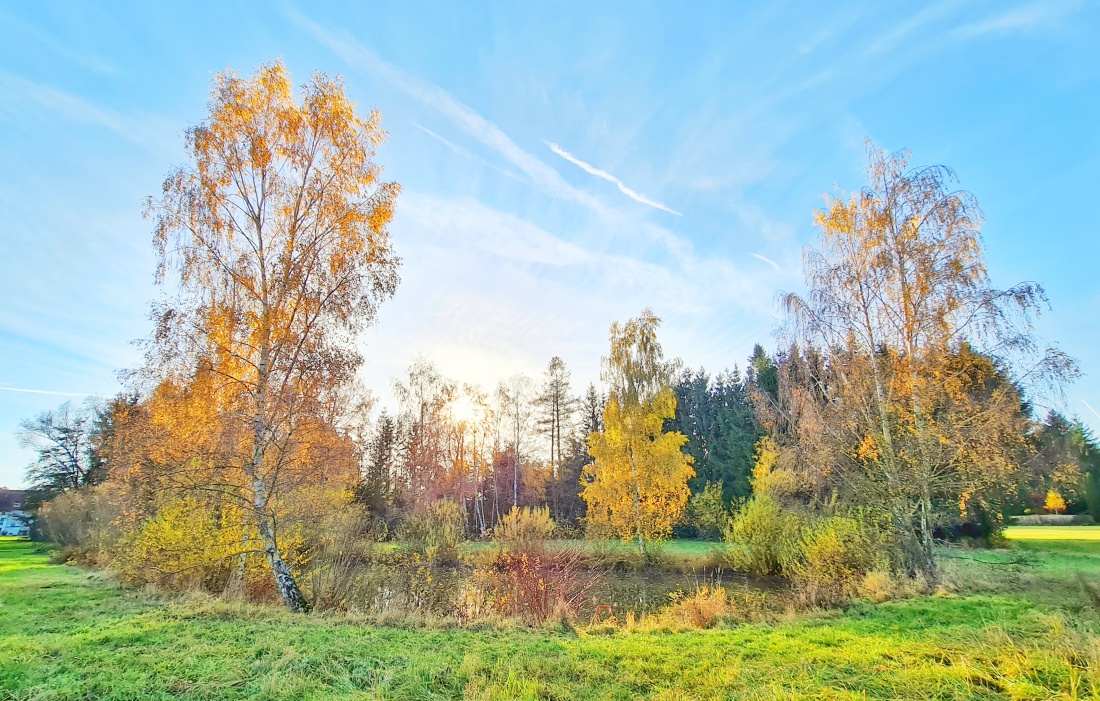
(10,497)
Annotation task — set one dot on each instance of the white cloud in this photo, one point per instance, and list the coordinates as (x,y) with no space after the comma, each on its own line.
(1091,409)
(151,133)
(592,170)
(1026,17)
(43,391)
(892,38)
(466,154)
(472,224)
(486,294)
(490,135)
(540,175)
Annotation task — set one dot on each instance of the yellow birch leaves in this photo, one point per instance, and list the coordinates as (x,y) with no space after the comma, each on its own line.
(637,487)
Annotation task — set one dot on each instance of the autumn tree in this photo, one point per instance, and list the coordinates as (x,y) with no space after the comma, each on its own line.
(450,447)
(637,486)
(1065,459)
(425,397)
(275,233)
(916,343)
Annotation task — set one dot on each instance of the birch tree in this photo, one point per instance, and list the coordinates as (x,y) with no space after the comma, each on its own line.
(637,486)
(275,236)
(514,397)
(918,341)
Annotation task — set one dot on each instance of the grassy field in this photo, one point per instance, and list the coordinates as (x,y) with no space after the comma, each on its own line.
(1017,628)
(1053,533)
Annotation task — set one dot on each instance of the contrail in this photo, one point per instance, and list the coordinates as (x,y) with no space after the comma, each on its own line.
(1091,409)
(593,170)
(767,260)
(59,394)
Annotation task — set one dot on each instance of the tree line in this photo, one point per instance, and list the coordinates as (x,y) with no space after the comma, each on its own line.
(901,399)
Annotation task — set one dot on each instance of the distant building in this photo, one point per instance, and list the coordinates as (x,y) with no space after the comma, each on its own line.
(13,519)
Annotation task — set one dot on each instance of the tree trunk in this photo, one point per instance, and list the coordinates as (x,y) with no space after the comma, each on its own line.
(637,497)
(927,542)
(234,587)
(284,580)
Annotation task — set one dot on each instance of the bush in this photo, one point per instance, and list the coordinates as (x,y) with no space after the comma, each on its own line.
(85,522)
(436,530)
(837,555)
(877,586)
(338,558)
(767,538)
(707,511)
(524,525)
(701,610)
(186,544)
(535,583)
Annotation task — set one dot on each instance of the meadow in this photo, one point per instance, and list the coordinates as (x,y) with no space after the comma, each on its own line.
(1012,623)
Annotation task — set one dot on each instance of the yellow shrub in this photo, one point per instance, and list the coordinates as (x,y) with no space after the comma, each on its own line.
(877,586)
(186,543)
(701,610)
(524,525)
(767,538)
(837,554)
(436,530)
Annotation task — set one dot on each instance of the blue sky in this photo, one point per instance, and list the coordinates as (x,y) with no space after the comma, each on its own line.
(563,165)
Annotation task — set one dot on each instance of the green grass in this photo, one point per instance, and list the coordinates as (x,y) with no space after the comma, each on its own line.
(66,633)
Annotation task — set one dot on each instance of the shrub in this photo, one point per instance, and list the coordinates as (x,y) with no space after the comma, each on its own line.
(707,510)
(768,477)
(701,610)
(536,583)
(338,558)
(837,554)
(436,530)
(524,525)
(877,586)
(767,538)
(186,544)
(85,522)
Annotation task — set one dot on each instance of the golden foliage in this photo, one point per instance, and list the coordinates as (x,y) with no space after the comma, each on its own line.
(526,524)
(186,542)
(637,485)
(1054,502)
(901,406)
(768,477)
(276,234)
(636,488)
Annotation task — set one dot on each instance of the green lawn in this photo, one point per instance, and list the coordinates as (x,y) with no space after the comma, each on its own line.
(66,633)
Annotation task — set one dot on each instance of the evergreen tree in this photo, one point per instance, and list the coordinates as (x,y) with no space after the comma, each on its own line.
(718,420)
(376,488)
